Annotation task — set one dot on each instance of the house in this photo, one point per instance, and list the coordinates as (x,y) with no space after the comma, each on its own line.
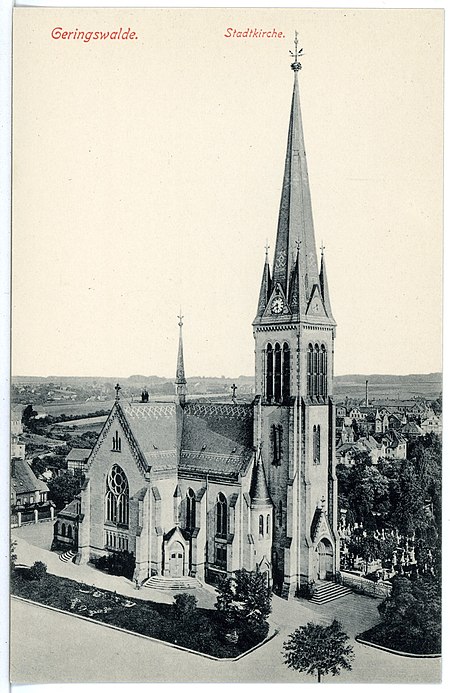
(77,459)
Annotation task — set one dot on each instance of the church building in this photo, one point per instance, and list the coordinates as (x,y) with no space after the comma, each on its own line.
(199,489)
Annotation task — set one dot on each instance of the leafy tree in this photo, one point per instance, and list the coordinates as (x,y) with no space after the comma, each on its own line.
(185,606)
(412,615)
(37,571)
(62,489)
(38,466)
(318,650)
(244,600)
(28,414)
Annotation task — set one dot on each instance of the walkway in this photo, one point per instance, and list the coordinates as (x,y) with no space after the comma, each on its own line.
(36,659)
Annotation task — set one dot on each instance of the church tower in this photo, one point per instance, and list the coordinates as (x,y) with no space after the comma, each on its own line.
(294,333)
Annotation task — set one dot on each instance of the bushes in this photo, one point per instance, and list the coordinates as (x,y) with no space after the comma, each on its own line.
(411,617)
(117,563)
(37,571)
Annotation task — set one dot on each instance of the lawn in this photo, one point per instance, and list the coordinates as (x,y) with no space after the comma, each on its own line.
(200,630)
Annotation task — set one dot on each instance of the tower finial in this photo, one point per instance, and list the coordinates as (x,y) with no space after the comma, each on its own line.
(296,66)
(267,246)
(180,318)
(322,248)
(117,389)
(180,378)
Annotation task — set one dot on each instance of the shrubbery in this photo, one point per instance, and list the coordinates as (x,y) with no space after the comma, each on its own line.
(37,571)
(117,563)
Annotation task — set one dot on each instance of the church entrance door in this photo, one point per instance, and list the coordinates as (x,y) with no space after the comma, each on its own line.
(176,560)
(325,551)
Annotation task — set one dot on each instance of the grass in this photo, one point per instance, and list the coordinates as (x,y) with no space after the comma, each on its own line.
(201,631)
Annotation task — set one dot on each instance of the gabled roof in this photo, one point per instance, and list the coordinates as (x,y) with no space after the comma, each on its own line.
(78,454)
(154,428)
(24,480)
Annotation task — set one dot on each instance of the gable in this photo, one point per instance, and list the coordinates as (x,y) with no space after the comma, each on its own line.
(315,306)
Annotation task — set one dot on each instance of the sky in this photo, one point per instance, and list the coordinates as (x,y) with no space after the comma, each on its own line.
(147,176)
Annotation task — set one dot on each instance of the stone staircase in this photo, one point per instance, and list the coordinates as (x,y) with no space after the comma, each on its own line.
(67,556)
(159,582)
(328,591)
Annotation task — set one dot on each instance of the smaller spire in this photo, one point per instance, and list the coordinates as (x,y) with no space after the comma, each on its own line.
(324,285)
(259,493)
(180,378)
(266,286)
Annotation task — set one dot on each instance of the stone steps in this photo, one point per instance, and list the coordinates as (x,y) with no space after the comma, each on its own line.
(67,556)
(159,582)
(328,592)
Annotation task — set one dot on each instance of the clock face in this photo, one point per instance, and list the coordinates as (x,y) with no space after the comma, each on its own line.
(277,305)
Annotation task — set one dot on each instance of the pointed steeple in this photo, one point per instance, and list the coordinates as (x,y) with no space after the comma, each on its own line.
(266,287)
(180,379)
(295,221)
(259,493)
(324,286)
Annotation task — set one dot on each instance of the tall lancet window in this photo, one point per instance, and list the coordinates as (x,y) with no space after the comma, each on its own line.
(277,368)
(324,370)
(316,444)
(190,509)
(221,516)
(117,496)
(269,373)
(286,372)
(310,367)
(316,370)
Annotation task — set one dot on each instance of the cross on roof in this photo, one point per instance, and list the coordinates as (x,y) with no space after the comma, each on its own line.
(267,246)
(296,66)
(322,248)
(234,388)
(180,318)
(117,389)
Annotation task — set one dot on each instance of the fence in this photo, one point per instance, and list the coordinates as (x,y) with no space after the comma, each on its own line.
(362,585)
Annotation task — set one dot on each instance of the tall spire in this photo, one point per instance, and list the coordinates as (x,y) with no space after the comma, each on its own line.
(295,221)
(180,379)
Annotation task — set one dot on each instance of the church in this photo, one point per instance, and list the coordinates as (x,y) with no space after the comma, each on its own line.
(197,490)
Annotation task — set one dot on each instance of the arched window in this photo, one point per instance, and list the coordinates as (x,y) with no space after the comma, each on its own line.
(269,372)
(310,369)
(277,440)
(221,516)
(316,444)
(286,372)
(190,509)
(280,513)
(69,532)
(316,370)
(63,530)
(268,525)
(117,496)
(261,526)
(277,368)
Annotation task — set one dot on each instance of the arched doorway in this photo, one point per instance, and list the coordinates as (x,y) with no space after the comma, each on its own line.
(176,560)
(325,551)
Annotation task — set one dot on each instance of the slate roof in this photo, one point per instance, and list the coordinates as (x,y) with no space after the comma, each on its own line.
(154,428)
(24,480)
(217,438)
(78,454)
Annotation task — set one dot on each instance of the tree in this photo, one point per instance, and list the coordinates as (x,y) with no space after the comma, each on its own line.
(318,649)
(38,466)
(244,601)
(37,571)
(28,414)
(412,615)
(64,488)
(185,606)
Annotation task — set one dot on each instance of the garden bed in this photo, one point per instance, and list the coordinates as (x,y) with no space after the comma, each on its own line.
(382,637)
(201,631)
